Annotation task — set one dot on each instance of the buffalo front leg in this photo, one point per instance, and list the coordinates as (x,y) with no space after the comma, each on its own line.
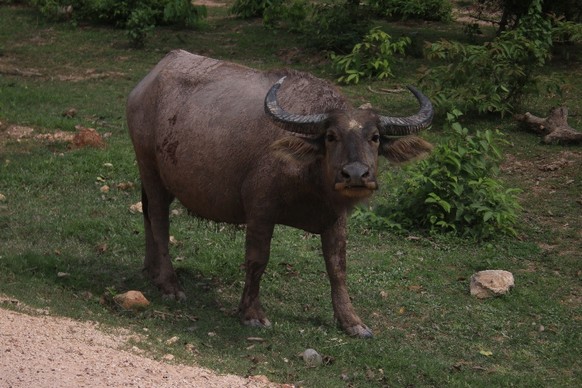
(157,264)
(258,245)
(333,242)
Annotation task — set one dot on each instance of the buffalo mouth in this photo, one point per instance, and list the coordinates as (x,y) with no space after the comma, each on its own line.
(362,190)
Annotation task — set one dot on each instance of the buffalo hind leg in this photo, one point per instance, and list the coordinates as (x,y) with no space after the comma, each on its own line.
(258,245)
(156,202)
(333,242)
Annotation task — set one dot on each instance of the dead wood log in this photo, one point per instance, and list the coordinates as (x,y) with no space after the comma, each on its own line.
(554,128)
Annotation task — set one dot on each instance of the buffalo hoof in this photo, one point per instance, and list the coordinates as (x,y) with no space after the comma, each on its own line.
(262,323)
(361,331)
(178,296)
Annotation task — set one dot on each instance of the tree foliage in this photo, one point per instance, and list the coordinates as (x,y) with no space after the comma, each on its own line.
(337,25)
(511,11)
(493,77)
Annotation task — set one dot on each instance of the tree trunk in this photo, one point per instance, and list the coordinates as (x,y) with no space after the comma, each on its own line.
(554,128)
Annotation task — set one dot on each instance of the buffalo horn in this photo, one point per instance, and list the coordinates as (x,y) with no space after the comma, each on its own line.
(402,126)
(303,124)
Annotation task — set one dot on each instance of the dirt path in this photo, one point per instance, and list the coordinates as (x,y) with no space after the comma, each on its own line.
(46,351)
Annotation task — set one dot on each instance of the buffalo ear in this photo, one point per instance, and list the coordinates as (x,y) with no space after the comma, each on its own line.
(298,149)
(404,149)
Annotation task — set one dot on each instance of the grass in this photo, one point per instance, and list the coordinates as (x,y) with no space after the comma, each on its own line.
(412,291)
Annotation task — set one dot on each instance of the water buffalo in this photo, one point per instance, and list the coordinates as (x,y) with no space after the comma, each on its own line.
(260,148)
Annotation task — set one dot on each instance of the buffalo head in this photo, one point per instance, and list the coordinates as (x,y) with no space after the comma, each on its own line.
(349,141)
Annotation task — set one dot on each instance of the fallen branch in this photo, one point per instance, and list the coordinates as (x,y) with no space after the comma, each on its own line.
(386,91)
(554,128)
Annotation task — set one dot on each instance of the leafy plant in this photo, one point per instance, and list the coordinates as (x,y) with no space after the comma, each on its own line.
(369,59)
(495,76)
(455,191)
(139,25)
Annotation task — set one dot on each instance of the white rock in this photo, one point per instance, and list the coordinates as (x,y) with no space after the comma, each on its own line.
(485,284)
(312,358)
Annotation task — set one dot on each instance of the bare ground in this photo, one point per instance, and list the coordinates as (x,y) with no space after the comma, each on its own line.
(46,351)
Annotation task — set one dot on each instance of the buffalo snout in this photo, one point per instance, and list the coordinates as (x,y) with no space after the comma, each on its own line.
(356,176)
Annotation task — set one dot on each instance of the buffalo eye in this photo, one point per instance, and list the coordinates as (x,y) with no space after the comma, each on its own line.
(375,138)
(330,137)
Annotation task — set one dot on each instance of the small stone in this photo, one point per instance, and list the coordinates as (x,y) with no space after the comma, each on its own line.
(259,379)
(125,185)
(172,340)
(132,300)
(485,284)
(136,208)
(168,357)
(2,197)
(255,339)
(312,358)
(104,189)
(63,274)
(71,112)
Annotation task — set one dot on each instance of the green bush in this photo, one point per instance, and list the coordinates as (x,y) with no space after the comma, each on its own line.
(438,10)
(289,15)
(454,191)
(371,58)
(566,32)
(181,13)
(247,9)
(336,26)
(493,77)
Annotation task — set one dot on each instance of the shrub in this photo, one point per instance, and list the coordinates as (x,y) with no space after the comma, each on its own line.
(336,26)
(326,25)
(370,59)
(493,77)
(181,13)
(455,191)
(438,10)
(138,17)
(290,15)
(247,9)
(139,25)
